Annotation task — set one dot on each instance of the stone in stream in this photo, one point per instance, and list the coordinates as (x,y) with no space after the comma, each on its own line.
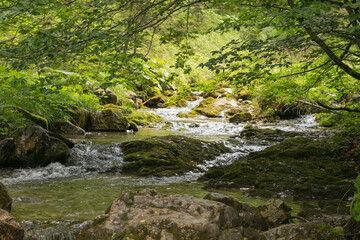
(169,155)
(156,101)
(297,167)
(5,199)
(34,147)
(256,134)
(276,212)
(10,229)
(152,216)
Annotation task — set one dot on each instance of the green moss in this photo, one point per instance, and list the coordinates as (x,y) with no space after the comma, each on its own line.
(240,117)
(5,199)
(144,118)
(168,155)
(299,166)
(38,120)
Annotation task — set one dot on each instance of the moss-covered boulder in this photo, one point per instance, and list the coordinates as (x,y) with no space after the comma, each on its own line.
(66,127)
(34,147)
(111,120)
(169,155)
(80,117)
(5,199)
(297,167)
(156,101)
(256,134)
(240,117)
(212,108)
(145,119)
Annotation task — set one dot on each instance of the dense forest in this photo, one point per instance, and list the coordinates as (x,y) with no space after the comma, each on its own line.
(63,59)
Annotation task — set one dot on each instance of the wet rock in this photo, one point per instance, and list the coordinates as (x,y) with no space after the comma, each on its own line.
(10,229)
(243,95)
(107,96)
(249,215)
(133,126)
(182,103)
(151,215)
(256,134)
(67,127)
(6,149)
(212,108)
(111,120)
(240,117)
(194,125)
(156,101)
(303,231)
(37,147)
(192,98)
(276,212)
(297,168)
(5,199)
(168,155)
(233,111)
(80,117)
(186,115)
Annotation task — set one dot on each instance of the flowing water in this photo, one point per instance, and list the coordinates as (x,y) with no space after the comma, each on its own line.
(61,197)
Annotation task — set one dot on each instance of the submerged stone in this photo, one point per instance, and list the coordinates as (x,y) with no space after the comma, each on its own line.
(297,167)
(168,155)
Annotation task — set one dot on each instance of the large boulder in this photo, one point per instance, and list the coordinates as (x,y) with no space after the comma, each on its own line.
(255,134)
(276,212)
(5,199)
(35,147)
(67,127)
(249,215)
(107,96)
(152,216)
(10,229)
(111,120)
(240,117)
(169,155)
(80,117)
(212,107)
(156,101)
(297,167)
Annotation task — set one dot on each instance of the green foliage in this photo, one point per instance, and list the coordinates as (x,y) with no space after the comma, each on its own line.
(355,204)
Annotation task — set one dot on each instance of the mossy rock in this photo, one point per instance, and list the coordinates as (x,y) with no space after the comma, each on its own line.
(81,117)
(297,167)
(186,115)
(240,117)
(5,199)
(209,108)
(109,120)
(182,103)
(255,134)
(145,119)
(156,101)
(169,155)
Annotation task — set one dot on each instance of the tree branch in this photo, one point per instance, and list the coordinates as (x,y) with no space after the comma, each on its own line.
(338,108)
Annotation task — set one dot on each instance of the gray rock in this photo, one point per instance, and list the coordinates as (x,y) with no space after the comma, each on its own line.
(276,212)
(35,147)
(303,231)
(10,229)
(109,120)
(249,216)
(68,128)
(151,215)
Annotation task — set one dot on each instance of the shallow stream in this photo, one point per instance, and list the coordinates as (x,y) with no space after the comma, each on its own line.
(64,196)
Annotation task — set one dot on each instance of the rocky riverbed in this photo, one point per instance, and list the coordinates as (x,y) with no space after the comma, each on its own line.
(286,177)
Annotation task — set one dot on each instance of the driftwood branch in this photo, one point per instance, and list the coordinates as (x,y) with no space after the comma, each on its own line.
(338,108)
